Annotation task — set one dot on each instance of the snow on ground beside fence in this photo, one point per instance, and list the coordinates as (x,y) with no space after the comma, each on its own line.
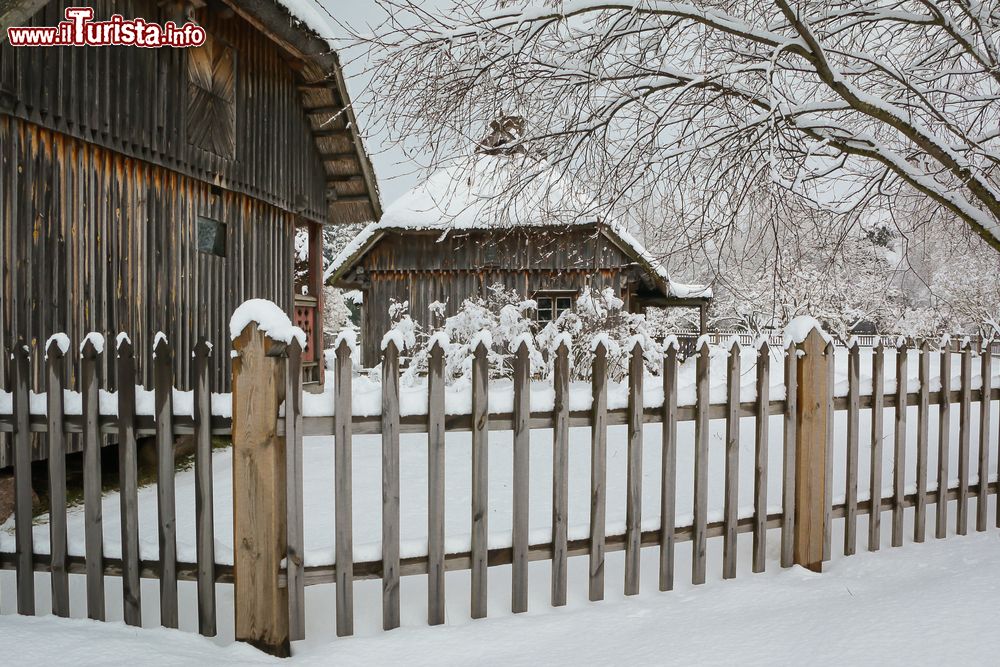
(881,606)
(366,395)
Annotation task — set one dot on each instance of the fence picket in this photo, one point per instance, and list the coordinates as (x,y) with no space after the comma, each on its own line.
(294,504)
(560,476)
(342,489)
(435,485)
(830,362)
(923,408)
(633,505)
(390,486)
(128,479)
(899,451)
(944,442)
(522,463)
(598,469)
(853,428)
(982,498)
(731,502)
(964,417)
(22,481)
(699,526)
(762,423)
(878,416)
(480,477)
(668,476)
(54,366)
(163,381)
(93,531)
(788,459)
(204,512)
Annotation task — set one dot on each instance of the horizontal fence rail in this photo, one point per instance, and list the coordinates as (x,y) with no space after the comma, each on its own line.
(808,503)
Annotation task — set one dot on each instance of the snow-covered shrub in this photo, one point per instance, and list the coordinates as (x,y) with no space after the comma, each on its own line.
(504,321)
(599,316)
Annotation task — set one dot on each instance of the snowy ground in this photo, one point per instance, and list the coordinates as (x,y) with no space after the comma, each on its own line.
(921,604)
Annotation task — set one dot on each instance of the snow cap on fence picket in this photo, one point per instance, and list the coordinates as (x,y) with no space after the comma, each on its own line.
(704,339)
(482,336)
(761,340)
(671,342)
(640,340)
(156,341)
(523,337)
(562,338)
(945,341)
(271,321)
(799,329)
(121,339)
(439,337)
(396,337)
(609,343)
(853,342)
(95,339)
(61,340)
(349,336)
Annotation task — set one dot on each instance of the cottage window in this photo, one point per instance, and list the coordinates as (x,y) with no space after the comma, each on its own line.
(551,306)
(211,237)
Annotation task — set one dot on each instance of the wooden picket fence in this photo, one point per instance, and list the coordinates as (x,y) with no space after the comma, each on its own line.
(268,478)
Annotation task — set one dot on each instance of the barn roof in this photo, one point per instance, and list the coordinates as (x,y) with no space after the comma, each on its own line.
(352,190)
(463,197)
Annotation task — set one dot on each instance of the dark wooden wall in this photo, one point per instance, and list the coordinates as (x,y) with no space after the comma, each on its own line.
(92,240)
(135,101)
(421,267)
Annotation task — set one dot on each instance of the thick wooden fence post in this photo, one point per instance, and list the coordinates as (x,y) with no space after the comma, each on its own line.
(811,450)
(259,531)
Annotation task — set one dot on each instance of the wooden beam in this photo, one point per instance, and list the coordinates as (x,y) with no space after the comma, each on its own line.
(338,133)
(324,108)
(16,12)
(337,155)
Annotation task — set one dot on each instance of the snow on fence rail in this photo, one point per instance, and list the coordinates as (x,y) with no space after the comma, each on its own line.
(268,524)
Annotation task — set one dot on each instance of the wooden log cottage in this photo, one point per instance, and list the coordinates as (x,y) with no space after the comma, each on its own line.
(155,189)
(451,238)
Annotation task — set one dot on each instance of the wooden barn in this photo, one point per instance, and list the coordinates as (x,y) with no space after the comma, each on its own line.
(155,189)
(449,239)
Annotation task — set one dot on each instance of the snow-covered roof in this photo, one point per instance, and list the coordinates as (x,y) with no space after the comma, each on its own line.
(466,195)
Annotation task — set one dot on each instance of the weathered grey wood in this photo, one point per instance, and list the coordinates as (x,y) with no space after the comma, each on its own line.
(259,493)
(923,408)
(55,363)
(982,499)
(480,478)
(295,522)
(732,500)
(811,453)
(853,433)
(94,531)
(899,451)
(163,381)
(700,525)
(788,459)
(522,454)
(343,494)
(668,473)
(633,498)
(390,486)
(828,357)
(560,475)
(944,442)
(435,485)
(964,428)
(22,481)
(203,499)
(878,416)
(598,469)
(128,480)
(761,424)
